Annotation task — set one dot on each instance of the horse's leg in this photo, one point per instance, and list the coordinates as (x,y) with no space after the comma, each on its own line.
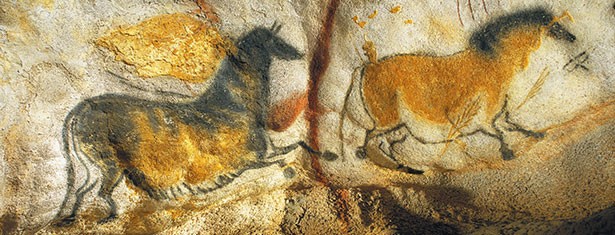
(361,152)
(505,150)
(388,159)
(517,128)
(110,180)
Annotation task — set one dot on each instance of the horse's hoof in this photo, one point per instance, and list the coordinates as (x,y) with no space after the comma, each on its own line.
(410,170)
(386,148)
(289,173)
(108,219)
(538,135)
(329,156)
(361,153)
(507,154)
(65,222)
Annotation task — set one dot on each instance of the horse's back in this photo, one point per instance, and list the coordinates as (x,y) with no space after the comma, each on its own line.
(430,86)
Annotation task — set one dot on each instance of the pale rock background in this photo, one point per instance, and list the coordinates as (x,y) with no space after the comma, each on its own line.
(48,63)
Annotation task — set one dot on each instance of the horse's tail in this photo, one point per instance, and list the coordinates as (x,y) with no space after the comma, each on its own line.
(354,115)
(70,151)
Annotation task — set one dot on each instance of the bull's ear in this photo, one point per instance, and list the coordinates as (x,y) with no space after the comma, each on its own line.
(275,28)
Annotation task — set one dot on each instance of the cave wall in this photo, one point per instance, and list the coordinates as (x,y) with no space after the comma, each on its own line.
(374,117)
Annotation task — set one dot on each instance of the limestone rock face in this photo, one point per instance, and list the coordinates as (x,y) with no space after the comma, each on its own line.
(307,117)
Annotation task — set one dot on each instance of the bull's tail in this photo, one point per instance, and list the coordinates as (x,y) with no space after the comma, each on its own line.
(71,150)
(355,86)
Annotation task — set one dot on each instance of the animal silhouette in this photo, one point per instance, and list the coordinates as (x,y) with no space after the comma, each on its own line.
(435,88)
(171,149)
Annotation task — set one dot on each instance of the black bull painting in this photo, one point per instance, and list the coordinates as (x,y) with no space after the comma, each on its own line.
(170,149)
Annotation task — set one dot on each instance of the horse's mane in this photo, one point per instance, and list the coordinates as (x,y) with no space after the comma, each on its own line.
(487,37)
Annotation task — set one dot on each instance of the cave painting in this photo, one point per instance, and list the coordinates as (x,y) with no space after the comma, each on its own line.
(177,45)
(452,89)
(168,150)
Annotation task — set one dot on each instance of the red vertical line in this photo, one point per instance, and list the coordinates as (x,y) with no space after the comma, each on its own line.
(485,7)
(318,67)
(471,11)
(459,14)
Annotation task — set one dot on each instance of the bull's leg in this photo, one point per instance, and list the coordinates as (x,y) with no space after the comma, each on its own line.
(110,180)
(277,151)
(86,187)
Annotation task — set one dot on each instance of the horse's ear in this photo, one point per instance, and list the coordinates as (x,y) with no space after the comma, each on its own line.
(275,28)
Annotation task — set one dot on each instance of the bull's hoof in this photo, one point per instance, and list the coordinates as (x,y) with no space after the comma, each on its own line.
(507,154)
(66,221)
(361,153)
(109,218)
(329,156)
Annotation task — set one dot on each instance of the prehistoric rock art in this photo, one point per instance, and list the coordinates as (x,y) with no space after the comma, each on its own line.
(175,45)
(172,149)
(196,117)
(450,89)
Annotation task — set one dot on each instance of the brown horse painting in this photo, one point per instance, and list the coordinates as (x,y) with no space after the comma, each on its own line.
(438,88)
(169,150)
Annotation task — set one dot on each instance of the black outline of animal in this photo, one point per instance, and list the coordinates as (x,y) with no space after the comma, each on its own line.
(239,92)
(486,42)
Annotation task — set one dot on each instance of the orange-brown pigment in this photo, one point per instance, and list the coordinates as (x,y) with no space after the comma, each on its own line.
(436,87)
(190,155)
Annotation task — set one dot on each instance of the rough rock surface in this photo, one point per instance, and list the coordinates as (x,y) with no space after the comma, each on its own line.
(314,76)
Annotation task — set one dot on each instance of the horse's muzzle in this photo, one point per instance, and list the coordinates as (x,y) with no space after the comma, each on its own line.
(558,31)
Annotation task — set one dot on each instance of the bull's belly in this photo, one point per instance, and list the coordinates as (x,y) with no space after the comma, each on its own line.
(177,152)
(166,150)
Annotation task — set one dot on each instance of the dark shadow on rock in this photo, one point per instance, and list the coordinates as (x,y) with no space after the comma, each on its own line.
(602,222)
(382,201)
(8,224)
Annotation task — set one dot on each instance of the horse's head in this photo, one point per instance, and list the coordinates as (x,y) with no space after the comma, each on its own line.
(526,25)
(557,31)
(260,45)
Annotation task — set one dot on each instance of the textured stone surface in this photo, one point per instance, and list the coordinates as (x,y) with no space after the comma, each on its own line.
(56,54)
(176,45)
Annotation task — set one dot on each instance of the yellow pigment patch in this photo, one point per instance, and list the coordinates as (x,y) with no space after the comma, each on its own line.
(395,9)
(373,15)
(168,156)
(361,24)
(175,45)
(444,30)
(48,4)
(437,88)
